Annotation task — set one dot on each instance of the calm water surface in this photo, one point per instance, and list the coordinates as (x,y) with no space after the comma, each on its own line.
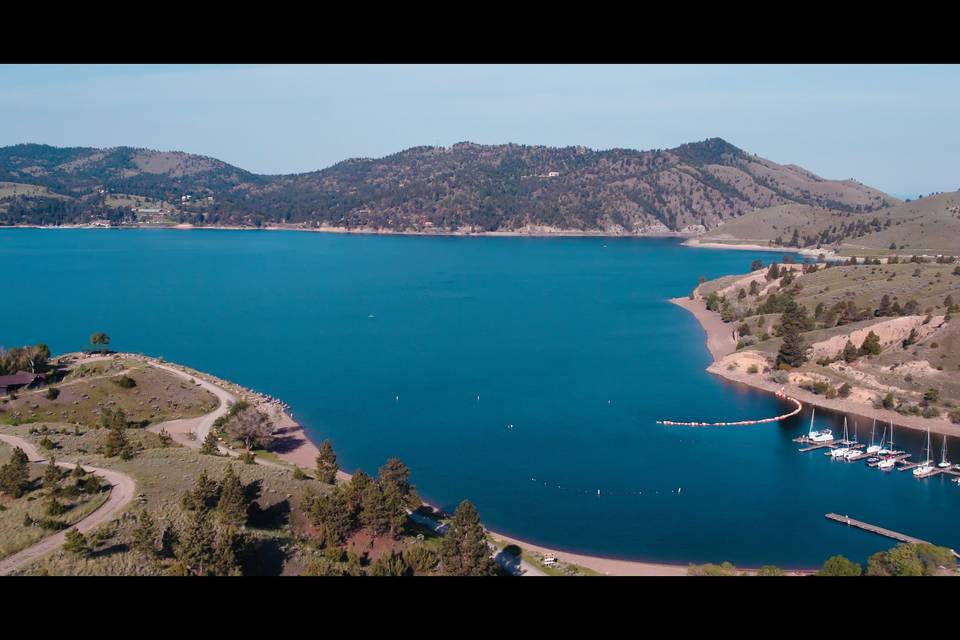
(571,341)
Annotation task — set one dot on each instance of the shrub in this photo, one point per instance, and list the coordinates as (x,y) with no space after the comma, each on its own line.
(831,393)
(840,566)
(125,382)
(780,377)
(76,543)
(844,391)
(52,393)
(931,412)
(422,558)
(753,369)
(723,569)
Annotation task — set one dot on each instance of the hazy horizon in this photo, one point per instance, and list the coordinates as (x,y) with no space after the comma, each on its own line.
(890,127)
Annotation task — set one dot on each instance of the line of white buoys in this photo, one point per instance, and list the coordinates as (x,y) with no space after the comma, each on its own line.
(741,423)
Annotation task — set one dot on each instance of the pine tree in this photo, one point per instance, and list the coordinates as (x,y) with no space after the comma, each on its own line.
(793,350)
(395,507)
(357,489)
(51,476)
(204,495)
(52,506)
(464,550)
(884,309)
(117,443)
(396,472)
(197,543)
(226,553)
(871,345)
(209,446)
(232,505)
(76,543)
(327,463)
(373,513)
(850,353)
(145,535)
(390,564)
(15,474)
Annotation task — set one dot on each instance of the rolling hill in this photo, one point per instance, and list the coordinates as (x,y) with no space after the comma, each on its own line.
(928,225)
(465,187)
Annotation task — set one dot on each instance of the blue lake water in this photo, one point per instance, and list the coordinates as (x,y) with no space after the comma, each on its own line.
(570,340)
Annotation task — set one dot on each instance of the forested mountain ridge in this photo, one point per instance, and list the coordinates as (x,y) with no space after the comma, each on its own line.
(465,187)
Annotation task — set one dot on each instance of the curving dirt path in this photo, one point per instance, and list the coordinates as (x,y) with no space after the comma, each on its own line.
(121,493)
(123,487)
(200,426)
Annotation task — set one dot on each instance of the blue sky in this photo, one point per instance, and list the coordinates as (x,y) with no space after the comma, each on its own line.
(893,127)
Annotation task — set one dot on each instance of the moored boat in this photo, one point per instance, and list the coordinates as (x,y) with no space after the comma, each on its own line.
(925,467)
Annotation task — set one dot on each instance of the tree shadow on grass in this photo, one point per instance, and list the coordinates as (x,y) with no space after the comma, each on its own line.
(264,558)
(109,551)
(273,517)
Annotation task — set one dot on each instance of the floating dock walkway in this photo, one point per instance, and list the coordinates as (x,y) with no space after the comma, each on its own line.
(741,423)
(880,531)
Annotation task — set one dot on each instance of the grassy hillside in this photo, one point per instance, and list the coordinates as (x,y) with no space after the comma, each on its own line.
(909,306)
(928,226)
(776,225)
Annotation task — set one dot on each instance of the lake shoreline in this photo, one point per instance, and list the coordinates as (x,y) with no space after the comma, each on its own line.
(299,450)
(535,233)
(305,453)
(720,343)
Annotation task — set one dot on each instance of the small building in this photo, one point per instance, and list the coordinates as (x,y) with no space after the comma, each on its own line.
(553,174)
(16,381)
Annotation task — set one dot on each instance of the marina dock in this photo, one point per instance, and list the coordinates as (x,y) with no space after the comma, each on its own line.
(880,531)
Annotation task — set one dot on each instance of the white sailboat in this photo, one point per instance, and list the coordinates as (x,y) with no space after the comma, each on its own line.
(823,435)
(854,452)
(840,452)
(889,462)
(926,466)
(875,448)
(889,448)
(944,464)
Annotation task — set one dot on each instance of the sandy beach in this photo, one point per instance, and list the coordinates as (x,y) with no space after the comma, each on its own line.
(699,244)
(720,340)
